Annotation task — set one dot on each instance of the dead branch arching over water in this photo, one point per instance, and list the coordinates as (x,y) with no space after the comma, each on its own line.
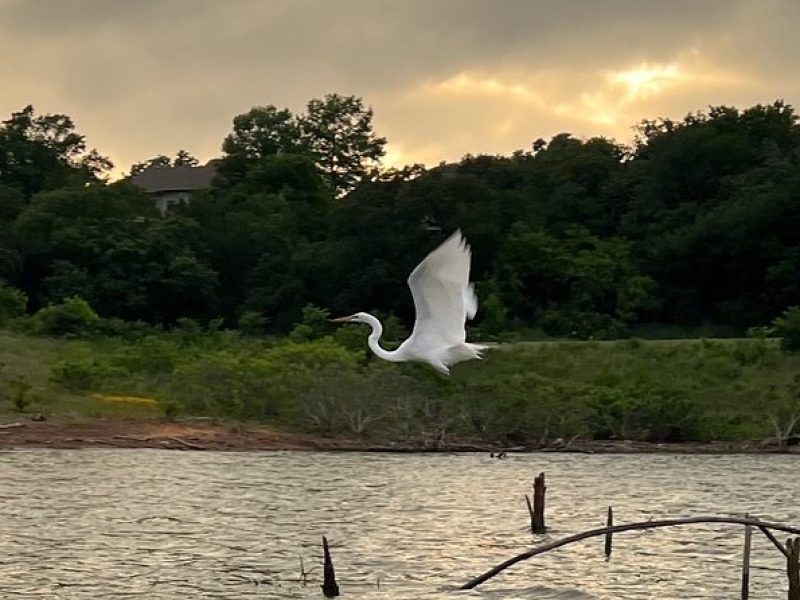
(762,525)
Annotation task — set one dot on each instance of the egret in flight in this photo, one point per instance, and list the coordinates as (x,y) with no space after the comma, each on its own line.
(444,299)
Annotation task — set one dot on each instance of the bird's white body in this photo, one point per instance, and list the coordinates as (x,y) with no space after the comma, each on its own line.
(444,299)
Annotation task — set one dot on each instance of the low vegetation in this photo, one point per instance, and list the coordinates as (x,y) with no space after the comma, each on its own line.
(525,392)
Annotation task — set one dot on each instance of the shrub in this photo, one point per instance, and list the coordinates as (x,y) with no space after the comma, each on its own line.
(152,354)
(353,337)
(188,331)
(252,323)
(359,400)
(255,386)
(313,325)
(19,388)
(582,325)
(301,332)
(752,352)
(171,410)
(12,303)
(787,326)
(73,316)
(79,375)
(130,330)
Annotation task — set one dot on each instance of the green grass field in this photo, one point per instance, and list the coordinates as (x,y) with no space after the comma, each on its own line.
(31,359)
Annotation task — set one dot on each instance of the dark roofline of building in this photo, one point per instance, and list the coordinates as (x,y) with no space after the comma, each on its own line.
(157,179)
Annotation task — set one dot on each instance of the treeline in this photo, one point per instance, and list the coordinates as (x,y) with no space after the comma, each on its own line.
(698,222)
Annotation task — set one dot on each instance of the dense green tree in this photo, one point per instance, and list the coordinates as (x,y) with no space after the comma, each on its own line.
(263,131)
(108,245)
(713,205)
(184,159)
(338,132)
(42,152)
(579,285)
(259,232)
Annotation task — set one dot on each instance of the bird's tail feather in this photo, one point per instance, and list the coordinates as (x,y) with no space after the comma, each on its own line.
(478,349)
(460,352)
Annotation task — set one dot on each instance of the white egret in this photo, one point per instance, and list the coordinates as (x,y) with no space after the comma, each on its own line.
(444,299)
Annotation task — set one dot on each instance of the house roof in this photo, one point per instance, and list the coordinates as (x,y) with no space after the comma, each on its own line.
(175,179)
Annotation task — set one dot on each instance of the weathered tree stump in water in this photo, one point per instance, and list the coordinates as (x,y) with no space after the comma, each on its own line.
(537,515)
(793,567)
(329,586)
(748,536)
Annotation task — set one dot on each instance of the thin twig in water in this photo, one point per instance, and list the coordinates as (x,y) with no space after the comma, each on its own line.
(774,540)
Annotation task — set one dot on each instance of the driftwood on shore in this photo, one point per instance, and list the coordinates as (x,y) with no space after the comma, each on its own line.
(12,425)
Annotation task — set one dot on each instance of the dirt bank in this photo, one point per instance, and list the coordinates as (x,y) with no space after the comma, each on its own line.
(25,432)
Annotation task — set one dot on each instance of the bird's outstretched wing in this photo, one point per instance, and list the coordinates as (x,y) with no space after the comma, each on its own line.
(443,296)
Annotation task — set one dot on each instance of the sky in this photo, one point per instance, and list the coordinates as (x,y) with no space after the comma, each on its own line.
(444,77)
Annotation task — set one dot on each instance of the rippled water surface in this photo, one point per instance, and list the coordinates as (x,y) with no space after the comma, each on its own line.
(161,524)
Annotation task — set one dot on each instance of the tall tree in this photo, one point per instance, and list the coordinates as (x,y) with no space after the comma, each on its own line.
(44,152)
(338,132)
(184,159)
(259,232)
(263,131)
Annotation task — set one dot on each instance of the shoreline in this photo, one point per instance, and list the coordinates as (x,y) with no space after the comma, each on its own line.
(203,435)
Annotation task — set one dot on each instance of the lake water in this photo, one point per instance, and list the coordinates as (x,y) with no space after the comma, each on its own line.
(166,524)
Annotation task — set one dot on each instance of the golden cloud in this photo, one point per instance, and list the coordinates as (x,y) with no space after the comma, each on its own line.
(501,110)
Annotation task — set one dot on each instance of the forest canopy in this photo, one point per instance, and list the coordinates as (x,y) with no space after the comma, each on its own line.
(697,222)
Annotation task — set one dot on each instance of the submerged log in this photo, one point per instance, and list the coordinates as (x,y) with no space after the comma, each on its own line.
(329,586)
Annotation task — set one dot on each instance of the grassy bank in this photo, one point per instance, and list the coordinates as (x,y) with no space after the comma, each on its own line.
(532,393)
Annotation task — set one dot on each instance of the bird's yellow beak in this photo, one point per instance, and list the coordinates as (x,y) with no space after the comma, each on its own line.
(342,319)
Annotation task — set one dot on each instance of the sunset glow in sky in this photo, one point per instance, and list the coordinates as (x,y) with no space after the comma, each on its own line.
(445,77)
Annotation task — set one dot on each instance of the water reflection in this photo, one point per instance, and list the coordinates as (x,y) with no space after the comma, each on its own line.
(159,524)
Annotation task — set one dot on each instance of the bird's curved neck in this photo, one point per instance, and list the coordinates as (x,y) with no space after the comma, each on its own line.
(374,338)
